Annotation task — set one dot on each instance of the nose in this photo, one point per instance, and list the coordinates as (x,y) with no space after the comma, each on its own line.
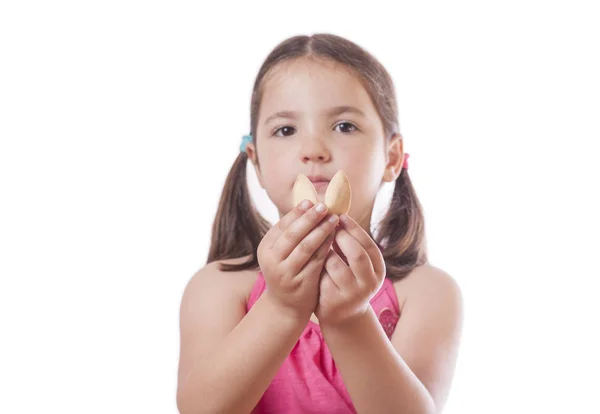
(315,150)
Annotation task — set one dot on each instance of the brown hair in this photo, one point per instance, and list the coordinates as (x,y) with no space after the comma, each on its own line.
(238,227)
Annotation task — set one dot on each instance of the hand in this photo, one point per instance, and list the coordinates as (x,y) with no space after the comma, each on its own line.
(291,257)
(346,288)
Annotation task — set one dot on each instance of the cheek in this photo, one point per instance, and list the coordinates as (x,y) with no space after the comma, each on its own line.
(370,171)
(271,161)
(277,180)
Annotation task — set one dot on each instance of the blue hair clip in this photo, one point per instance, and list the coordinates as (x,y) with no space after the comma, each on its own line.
(245,140)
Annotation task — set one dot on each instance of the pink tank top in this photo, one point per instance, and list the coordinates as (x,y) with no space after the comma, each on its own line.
(308,381)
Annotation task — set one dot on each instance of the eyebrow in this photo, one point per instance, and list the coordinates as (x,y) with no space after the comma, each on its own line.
(338,110)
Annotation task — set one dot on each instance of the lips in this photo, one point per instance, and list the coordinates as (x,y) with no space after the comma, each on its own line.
(318,178)
(320,182)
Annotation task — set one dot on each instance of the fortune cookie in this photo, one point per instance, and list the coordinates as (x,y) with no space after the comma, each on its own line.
(337,196)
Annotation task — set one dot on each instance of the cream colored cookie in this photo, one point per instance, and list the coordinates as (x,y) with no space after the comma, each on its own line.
(304,189)
(339,194)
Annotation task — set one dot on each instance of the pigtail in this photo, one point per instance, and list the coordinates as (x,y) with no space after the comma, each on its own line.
(401,232)
(238,227)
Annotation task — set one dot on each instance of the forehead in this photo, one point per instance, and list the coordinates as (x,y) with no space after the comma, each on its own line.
(312,87)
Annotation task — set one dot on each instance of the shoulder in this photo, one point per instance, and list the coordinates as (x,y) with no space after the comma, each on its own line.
(210,279)
(428,332)
(431,284)
(212,304)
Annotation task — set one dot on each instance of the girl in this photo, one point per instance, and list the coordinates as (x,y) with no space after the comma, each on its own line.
(315,314)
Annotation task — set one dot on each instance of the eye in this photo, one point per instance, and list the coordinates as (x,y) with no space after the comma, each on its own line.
(348,123)
(289,129)
(282,129)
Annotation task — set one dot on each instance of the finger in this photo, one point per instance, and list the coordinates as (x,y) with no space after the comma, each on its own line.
(326,285)
(340,273)
(297,231)
(274,232)
(315,264)
(372,249)
(308,246)
(356,255)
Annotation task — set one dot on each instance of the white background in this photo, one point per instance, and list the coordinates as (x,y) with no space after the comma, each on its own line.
(119,121)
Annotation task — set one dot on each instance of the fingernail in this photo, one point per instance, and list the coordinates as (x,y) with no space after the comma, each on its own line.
(320,208)
(305,205)
(333,218)
(343,218)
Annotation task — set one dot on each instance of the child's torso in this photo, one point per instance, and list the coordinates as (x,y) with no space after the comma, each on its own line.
(308,381)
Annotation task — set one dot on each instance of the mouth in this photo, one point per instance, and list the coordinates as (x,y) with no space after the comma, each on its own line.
(320,186)
(320,182)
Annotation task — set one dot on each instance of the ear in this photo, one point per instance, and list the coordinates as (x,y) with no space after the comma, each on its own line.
(395,158)
(253,158)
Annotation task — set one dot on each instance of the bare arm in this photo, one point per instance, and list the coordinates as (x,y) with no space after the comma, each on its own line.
(413,372)
(228,358)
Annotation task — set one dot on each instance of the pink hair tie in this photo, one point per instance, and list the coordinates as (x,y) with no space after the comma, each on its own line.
(405,164)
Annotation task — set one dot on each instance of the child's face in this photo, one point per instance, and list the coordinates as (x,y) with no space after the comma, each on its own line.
(315,143)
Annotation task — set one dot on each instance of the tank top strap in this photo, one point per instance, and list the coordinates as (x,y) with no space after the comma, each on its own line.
(386,306)
(257,290)
(386,297)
